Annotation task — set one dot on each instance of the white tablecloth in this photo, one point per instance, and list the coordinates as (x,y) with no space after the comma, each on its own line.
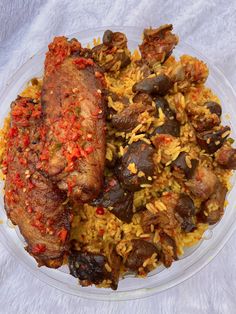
(210,26)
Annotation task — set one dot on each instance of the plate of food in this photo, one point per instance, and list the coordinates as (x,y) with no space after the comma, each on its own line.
(117,162)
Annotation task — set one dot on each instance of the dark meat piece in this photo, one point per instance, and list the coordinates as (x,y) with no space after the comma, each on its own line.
(141,251)
(127,119)
(185,211)
(143,98)
(33,202)
(214,107)
(114,196)
(213,209)
(164,219)
(226,157)
(171,127)
(141,155)
(203,183)
(74,126)
(211,141)
(163,104)
(89,268)
(158,44)
(158,85)
(180,164)
(113,53)
(168,250)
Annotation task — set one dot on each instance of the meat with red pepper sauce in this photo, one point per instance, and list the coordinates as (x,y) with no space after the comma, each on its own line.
(74,124)
(32,202)
(158,44)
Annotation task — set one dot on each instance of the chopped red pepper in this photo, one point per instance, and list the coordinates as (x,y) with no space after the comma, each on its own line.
(39,248)
(101,232)
(100,211)
(13,132)
(89,149)
(18,182)
(26,140)
(82,63)
(63,234)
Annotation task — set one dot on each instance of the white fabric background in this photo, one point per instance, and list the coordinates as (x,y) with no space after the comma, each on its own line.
(210,26)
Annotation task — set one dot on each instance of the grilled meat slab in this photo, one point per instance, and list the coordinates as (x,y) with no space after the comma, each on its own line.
(32,202)
(74,152)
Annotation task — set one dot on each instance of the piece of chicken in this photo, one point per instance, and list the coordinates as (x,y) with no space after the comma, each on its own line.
(74,151)
(31,201)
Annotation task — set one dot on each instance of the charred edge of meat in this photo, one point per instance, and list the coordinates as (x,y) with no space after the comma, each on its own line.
(141,155)
(115,197)
(141,250)
(185,210)
(158,85)
(212,140)
(181,164)
(89,268)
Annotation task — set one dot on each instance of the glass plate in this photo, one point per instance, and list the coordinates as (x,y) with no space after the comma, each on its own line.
(161,279)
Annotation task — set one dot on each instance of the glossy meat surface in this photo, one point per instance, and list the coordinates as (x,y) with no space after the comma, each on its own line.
(32,202)
(74,152)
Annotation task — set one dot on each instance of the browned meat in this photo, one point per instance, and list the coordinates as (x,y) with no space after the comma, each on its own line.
(180,164)
(139,155)
(127,119)
(171,127)
(165,219)
(203,183)
(158,85)
(202,119)
(90,268)
(168,249)
(141,251)
(113,53)
(226,157)
(212,140)
(115,198)
(213,209)
(214,107)
(32,202)
(74,125)
(185,211)
(158,44)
